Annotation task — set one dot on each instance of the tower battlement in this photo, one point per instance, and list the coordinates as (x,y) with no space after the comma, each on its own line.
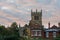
(36,12)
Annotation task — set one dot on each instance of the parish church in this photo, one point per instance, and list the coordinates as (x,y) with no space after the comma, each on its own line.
(37,30)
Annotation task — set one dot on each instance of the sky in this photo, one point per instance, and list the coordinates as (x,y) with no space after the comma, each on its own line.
(20,11)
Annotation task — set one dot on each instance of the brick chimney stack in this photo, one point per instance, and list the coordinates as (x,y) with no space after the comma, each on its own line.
(59,24)
(49,25)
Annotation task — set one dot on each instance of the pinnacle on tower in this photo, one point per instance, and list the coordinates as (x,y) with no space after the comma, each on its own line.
(31,10)
(36,10)
(41,10)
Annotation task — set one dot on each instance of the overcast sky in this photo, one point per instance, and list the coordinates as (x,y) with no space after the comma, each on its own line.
(20,11)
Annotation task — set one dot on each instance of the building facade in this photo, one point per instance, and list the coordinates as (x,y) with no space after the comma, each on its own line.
(36,24)
(37,30)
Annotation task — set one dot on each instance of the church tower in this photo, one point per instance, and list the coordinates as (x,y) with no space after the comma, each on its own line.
(36,19)
(36,24)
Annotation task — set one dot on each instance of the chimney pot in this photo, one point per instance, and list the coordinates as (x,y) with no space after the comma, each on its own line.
(49,25)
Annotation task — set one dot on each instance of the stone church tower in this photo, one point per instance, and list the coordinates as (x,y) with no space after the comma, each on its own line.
(36,19)
(36,23)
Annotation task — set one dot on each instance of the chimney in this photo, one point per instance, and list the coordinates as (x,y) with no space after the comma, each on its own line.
(59,24)
(49,25)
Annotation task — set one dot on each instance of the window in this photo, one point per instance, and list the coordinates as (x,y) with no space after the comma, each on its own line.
(54,34)
(38,33)
(47,34)
(36,17)
(33,33)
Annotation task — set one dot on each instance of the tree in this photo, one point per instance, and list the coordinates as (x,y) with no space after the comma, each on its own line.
(14,29)
(9,33)
(2,30)
(25,30)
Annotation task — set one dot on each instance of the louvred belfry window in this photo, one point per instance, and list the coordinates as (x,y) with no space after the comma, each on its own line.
(36,17)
